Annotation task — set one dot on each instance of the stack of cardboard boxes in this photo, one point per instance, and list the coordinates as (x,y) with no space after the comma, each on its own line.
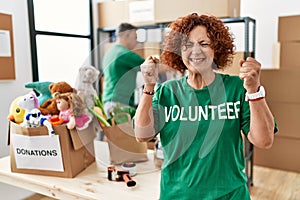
(283,97)
(112,13)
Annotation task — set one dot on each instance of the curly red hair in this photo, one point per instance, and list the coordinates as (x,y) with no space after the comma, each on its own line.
(179,30)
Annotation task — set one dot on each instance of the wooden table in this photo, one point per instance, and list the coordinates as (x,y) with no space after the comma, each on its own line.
(92,183)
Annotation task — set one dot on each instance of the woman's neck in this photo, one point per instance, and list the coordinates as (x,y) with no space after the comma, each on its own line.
(199,81)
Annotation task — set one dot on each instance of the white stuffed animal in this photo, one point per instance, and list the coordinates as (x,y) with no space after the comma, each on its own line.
(33,116)
(28,102)
(86,77)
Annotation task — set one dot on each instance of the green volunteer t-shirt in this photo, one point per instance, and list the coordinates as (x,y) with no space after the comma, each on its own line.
(200,131)
(120,67)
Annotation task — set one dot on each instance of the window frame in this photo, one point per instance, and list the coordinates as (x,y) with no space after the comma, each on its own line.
(34,33)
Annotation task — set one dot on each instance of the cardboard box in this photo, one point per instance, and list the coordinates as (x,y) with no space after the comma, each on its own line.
(287,118)
(283,99)
(286,55)
(139,49)
(148,49)
(112,13)
(167,10)
(234,69)
(282,85)
(143,49)
(64,155)
(284,155)
(289,28)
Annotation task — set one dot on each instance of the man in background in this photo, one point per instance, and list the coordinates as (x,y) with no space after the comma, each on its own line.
(120,67)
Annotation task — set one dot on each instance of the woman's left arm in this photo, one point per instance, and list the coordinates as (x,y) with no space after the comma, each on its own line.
(262,125)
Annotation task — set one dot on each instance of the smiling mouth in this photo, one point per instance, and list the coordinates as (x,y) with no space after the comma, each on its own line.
(196,60)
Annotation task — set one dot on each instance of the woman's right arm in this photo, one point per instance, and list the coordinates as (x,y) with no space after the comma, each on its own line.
(144,119)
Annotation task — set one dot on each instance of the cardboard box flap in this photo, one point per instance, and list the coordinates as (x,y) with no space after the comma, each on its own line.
(83,137)
(42,130)
(79,138)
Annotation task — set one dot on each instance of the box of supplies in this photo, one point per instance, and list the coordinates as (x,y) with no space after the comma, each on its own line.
(145,12)
(286,55)
(289,28)
(283,155)
(218,8)
(65,154)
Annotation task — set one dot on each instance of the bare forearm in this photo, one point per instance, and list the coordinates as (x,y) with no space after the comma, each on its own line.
(261,124)
(144,120)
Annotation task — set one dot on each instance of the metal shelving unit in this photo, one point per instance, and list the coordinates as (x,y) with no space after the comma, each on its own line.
(249,39)
(248,22)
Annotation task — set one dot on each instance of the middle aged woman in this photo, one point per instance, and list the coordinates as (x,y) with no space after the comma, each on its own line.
(200,116)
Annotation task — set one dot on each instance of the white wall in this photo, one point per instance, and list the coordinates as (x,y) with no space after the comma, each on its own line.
(10,89)
(266,13)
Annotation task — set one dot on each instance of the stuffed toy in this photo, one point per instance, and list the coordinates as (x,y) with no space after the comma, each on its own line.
(32,116)
(71,109)
(42,88)
(49,107)
(28,102)
(16,113)
(86,77)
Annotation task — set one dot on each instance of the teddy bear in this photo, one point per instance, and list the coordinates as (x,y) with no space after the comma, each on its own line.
(49,107)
